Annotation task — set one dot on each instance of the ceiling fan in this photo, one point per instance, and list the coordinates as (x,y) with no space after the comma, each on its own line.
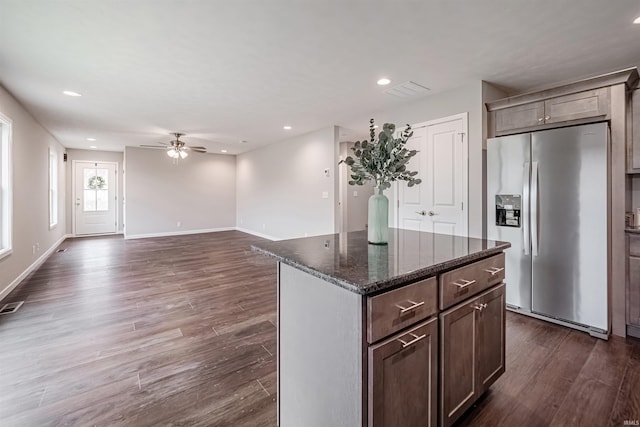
(177,149)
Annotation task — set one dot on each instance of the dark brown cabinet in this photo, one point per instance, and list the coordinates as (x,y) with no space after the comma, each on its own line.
(403,378)
(472,351)
(633,151)
(633,283)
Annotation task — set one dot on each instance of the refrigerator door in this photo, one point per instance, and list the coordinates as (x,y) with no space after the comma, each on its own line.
(508,171)
(569,224)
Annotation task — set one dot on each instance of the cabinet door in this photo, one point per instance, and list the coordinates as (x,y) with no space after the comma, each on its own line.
(591,103)
(634,151)
(519,117)
(403,378)
(458,356)
(490,337)
(633,291)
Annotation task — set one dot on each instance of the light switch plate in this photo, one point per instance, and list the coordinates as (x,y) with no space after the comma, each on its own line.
(325,194)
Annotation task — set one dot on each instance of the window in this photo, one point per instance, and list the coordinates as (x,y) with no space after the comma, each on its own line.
(5,186)
(53,188)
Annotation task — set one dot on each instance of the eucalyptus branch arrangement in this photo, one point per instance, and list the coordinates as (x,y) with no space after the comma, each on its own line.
(384,160)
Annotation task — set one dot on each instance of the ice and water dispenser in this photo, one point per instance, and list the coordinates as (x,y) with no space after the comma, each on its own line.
(508,209)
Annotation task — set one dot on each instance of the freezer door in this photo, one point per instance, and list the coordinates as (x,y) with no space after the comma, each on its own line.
(508,169)
(569,224)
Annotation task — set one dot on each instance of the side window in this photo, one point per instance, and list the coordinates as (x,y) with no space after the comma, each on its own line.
(5,186)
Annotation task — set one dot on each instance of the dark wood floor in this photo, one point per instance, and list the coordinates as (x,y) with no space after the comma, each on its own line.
(180,331)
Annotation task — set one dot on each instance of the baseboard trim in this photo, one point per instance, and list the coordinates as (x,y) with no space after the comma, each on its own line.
(177,233)
(633,331)
(255,233)
(33,267)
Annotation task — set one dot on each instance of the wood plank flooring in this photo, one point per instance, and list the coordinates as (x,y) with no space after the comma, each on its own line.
(181,331)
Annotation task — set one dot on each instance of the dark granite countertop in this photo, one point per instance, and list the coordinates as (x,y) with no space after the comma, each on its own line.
(347,260)
(632,230)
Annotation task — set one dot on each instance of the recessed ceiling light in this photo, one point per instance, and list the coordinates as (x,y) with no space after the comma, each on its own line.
(71,93)
(637,20)
(92,146)
(223,151)
(384,81)
(91,139)
(286,127)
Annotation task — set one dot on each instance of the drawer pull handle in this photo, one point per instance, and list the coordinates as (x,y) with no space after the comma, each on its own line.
(413,306)
(415,339)
(494,270)
(464,283)
(479,307)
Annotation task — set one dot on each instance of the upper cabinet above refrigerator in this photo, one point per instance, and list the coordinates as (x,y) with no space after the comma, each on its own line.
(588,104)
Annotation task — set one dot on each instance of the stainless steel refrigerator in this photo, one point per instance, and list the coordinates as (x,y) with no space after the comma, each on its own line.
(547,195)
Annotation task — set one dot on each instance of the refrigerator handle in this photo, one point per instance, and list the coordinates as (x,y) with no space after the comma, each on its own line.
(534,208)
(526,175)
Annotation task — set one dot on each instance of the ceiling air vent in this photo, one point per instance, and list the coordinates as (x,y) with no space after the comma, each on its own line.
(407,90)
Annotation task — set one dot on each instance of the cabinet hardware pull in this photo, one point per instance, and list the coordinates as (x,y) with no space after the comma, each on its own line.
(547,117)
(494,270)
(464,283)
(540,119)
(479,307)
(413,306)
(415,339)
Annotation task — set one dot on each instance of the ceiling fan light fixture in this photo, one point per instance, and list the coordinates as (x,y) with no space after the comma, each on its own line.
(173,153)
(183,154)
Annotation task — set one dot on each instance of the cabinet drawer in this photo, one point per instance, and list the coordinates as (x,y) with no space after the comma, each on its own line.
(394,310)
(462,283)
(634,245)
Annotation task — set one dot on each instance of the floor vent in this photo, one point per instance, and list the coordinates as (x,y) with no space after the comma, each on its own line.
(62,250)
(12,307)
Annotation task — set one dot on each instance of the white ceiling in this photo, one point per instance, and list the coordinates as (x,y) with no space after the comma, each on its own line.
(224,71)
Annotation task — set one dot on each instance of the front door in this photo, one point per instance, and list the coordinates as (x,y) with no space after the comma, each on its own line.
(95,197)
(439,203)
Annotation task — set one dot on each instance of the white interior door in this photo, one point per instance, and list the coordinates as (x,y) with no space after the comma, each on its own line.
(439,203)
(95,197)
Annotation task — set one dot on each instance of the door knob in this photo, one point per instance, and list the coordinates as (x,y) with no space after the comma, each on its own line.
(431,213)
(422,212)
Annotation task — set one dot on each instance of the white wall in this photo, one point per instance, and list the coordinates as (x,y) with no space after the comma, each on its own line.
(280,187)
(354,198)
(199,192)
(30,163)
(97,156)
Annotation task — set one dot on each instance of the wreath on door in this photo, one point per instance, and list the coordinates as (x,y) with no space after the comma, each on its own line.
(97,183)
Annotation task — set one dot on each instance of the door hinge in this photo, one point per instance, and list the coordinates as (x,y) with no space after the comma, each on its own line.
(462,206)
(461,136)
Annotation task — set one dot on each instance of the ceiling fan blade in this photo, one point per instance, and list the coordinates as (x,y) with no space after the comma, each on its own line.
(197,147)
(154,146)
(199,150)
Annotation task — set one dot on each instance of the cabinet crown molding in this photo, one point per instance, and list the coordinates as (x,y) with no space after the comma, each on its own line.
(628,76)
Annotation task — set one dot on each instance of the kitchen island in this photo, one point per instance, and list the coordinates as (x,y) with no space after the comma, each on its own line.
(410,333)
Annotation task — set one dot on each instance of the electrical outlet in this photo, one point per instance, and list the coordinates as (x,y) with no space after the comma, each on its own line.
(325,194)
(355,193)
(179,224)
(37,247)
(33,250)
(264,226)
